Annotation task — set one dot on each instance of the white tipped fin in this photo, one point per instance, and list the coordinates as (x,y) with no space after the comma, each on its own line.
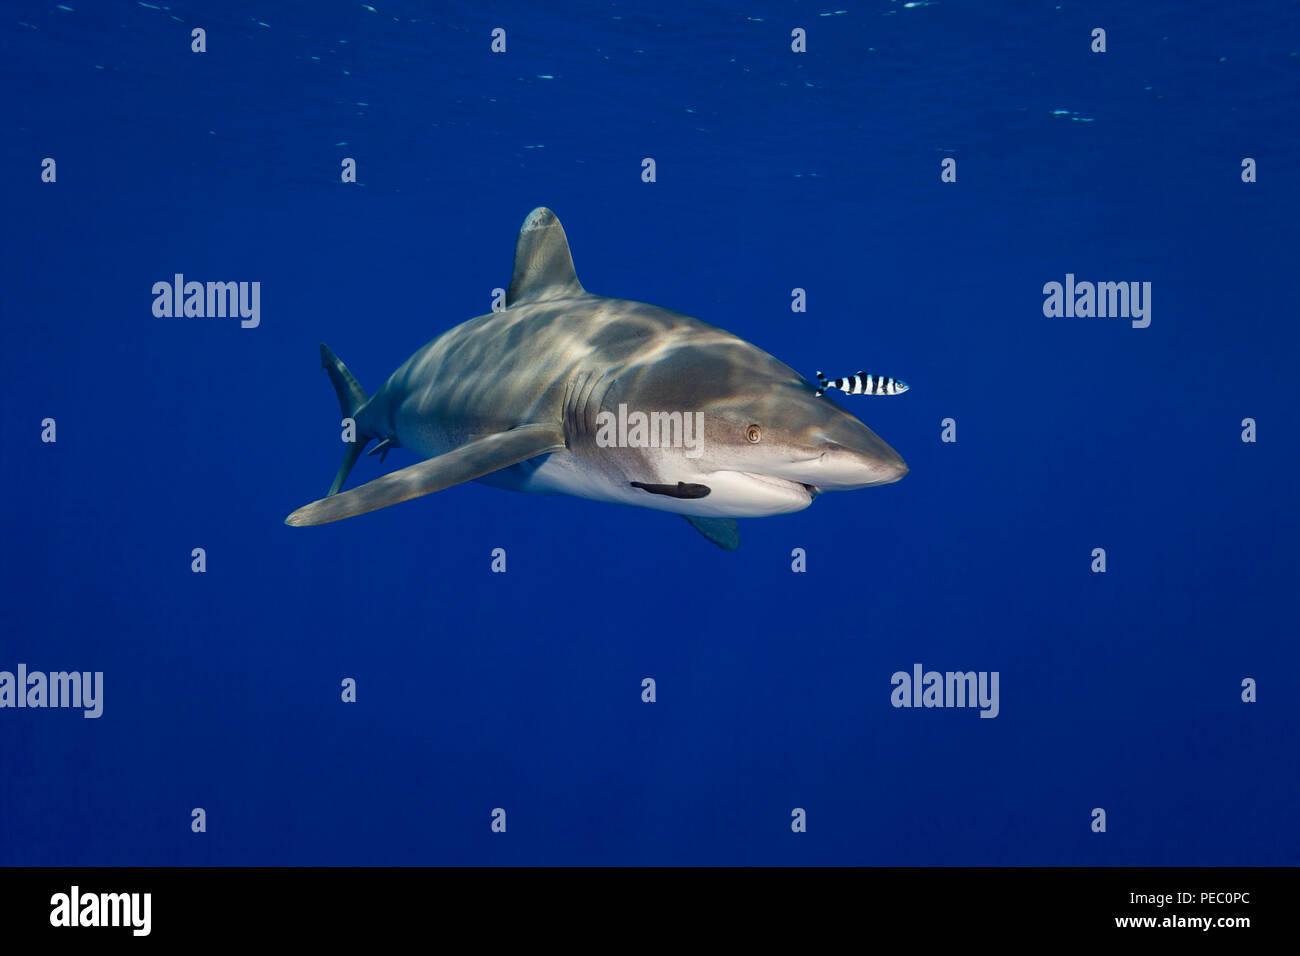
(543,264)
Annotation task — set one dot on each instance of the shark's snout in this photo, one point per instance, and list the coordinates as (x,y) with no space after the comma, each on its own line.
(891,471)
(843,468)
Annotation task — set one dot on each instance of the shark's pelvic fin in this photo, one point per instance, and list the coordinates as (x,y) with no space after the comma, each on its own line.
(473,460)
(543,263)
(724,532)
(352,397)
(384,447)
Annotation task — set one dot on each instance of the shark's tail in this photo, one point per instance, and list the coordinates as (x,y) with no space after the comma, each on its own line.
(352,398)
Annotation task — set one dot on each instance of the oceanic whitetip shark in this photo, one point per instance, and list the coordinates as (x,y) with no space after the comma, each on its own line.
(565,392)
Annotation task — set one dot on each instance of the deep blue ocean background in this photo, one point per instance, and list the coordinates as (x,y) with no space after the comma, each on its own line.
(522,690)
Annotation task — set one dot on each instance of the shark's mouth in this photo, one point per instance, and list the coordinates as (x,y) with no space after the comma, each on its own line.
(797,487)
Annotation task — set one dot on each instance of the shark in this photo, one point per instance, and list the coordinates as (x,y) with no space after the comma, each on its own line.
(566,392)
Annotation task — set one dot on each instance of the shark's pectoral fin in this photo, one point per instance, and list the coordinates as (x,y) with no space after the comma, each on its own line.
(724,532)
(469,461)
(680,490)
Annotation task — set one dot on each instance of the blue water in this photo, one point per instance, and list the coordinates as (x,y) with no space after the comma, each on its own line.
(775,170)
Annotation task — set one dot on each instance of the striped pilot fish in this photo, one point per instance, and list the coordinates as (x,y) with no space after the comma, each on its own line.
(862,384)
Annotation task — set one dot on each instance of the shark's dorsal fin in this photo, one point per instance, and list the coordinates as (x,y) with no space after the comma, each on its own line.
(543,264)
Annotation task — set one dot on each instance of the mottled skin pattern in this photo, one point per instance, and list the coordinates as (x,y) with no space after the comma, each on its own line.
(558,356)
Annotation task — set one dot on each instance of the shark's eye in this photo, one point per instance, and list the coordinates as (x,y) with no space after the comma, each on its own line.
(754,434)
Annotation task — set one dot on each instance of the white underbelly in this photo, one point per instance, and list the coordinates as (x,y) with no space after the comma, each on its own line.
(731,495)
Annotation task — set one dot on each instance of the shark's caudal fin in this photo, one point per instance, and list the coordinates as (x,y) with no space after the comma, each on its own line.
(543,263)
(469,461)
(352,397)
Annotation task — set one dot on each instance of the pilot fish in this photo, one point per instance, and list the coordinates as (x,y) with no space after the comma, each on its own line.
(862,384)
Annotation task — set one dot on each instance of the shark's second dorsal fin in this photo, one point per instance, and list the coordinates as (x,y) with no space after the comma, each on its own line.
(543,264)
